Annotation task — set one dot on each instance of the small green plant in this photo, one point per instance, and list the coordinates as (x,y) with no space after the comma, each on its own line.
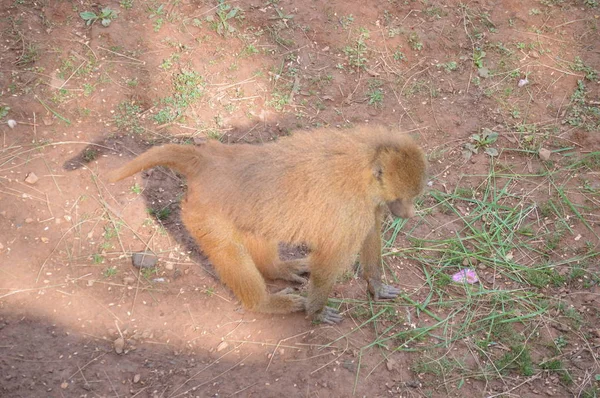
(448,66)
(90,154)
(481,141)
(88,89)
(415,41)
(560,342)
(127,117)
(136,188)
(579,66)
(356,53)
(583,113)
(278,100)
(161,214)
(30,54)
(97,259)
(148,273)
(346,21)
(225,13)
(106,16)
(478,56)
(518,359)
(375,94)
(399,55)
(4,111)
(126,4)
(110,271)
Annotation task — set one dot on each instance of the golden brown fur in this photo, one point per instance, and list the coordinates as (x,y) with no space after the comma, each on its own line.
(325,189)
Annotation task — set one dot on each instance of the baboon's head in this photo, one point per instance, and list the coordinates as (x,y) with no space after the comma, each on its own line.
(400,170)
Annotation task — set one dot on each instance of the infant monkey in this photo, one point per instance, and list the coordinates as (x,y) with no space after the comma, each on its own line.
(326,189)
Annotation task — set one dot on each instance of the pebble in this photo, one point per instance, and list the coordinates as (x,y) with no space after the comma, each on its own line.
(136,378)
(222,346)
(28,220)
(31,178)
(169,266)
(144,260)
(118,345)
(64,385)
(390,364)
(544,154)
(128,280)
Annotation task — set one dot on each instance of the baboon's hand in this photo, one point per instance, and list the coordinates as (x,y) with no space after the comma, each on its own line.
(381,291)
(328,315)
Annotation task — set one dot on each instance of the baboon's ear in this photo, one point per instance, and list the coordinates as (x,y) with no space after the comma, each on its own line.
(378,170)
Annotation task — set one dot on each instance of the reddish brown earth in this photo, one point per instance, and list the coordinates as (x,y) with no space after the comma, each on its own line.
(68,290)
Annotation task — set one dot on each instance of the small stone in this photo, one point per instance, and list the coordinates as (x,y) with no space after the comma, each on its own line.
(118,345)
(199,140)
(136,378)
(169,266)
(64,385)
(11,123)
(522,82)
(222,346)
(28,220)
(390,364)
(90,282)
(44,239)
(144,260)
(1,247)
(544,154)
(31,178)
(483,72)
(176,274)
(128,280)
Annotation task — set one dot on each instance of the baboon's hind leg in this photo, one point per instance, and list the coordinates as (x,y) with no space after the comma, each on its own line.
(225,249)
(266,257)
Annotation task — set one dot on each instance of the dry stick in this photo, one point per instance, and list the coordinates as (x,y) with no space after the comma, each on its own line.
(214,378)
(544,36)
(243,389)
(200,371)
(139,392)
(433,110)
(123,55)
(28,196)
(334,359)
(72,74)
(53,250)
(472,49)
(34,127)
(51,174)
(30,289)
(111,384)
(529,380)
(82,375)
(281,341)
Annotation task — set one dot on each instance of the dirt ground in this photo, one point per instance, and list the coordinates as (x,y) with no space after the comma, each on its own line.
(78,320)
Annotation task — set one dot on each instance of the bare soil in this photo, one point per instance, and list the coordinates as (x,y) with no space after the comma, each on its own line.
(78,320)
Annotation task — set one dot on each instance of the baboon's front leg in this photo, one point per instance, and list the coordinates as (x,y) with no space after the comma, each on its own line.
(370,259)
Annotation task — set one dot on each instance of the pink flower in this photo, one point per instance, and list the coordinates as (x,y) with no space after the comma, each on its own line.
(467,275)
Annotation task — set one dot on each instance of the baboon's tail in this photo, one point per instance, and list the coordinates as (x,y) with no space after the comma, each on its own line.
(184,159)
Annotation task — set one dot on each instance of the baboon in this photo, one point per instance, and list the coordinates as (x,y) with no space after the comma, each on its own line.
(326,189)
